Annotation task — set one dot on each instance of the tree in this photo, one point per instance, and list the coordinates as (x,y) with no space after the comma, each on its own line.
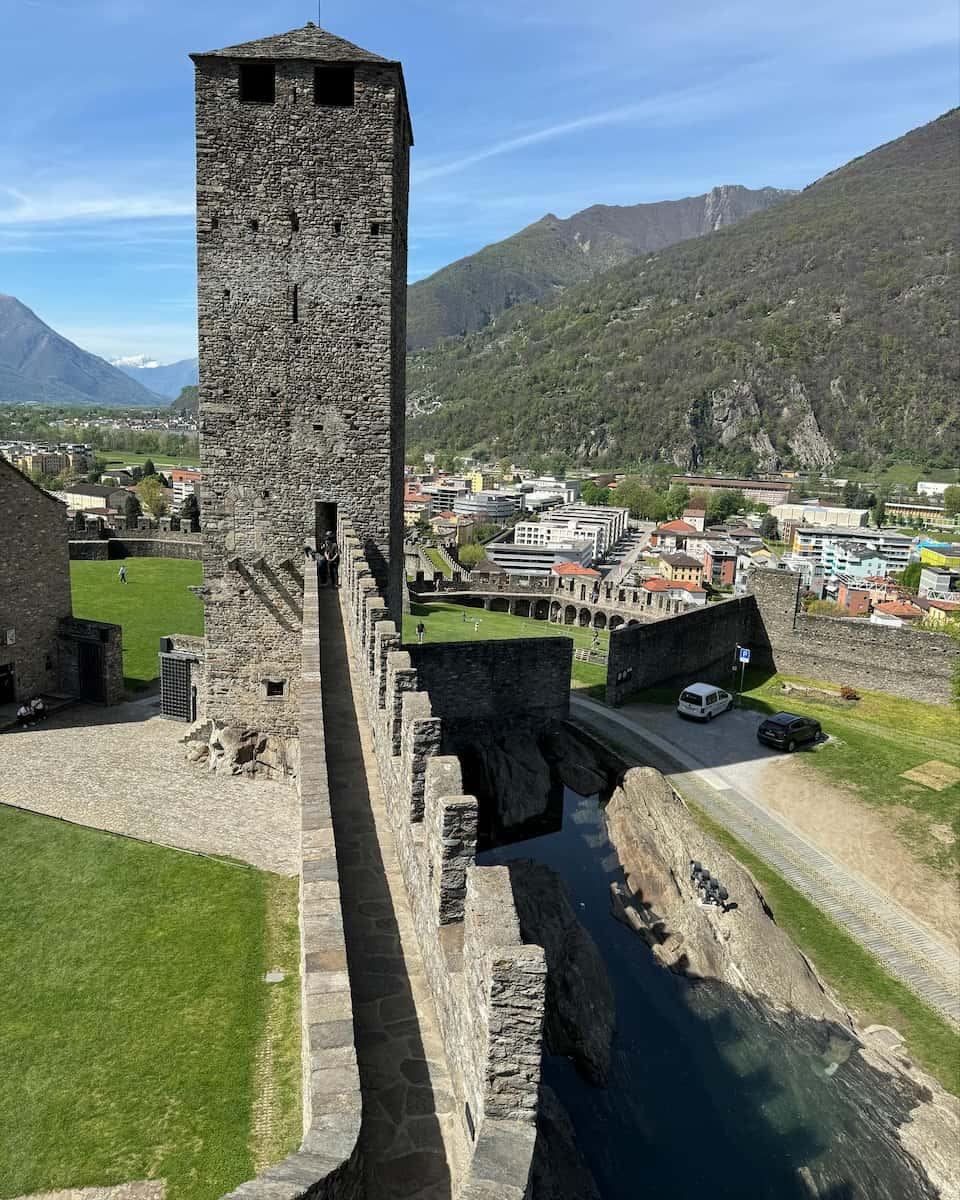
(152,497)
(591,494)
(909,577)
(724,502)
(678,497)
(951,501)
(769,529)
(149,468)
(190,512)
(879,514)
(132,507)
(851,491)
(471,554)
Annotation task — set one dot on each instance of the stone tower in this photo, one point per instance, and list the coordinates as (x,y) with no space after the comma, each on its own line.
(303,147)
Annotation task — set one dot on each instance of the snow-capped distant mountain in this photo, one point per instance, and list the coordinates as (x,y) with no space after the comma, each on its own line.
(166,379)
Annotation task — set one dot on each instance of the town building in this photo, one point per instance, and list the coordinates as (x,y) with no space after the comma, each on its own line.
(940,554)
(697,517)
(852,595)
(185,481)
(683,568)
(933,491)
(720,564)
(918,514)
(896,613)
(685,591)
(673,535)
(86,496)
(520,559)
(791,516)
(602,527)
(760,491)
(495,507)
(939,583)
(895,548)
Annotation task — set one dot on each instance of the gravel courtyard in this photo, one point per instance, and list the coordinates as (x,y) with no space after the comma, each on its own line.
(122,769)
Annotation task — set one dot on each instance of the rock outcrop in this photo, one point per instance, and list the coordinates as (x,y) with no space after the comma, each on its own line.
(581,1011)
(229,750)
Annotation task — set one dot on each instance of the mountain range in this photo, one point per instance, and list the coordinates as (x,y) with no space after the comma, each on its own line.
(554,253)
(39,365)
(822,327)
(166,379)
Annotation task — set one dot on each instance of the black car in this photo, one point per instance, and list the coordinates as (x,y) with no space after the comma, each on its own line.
(786,731)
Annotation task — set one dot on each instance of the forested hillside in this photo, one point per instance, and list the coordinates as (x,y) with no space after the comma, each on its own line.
(825,326)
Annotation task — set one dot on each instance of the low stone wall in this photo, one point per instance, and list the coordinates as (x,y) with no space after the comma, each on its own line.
(89,550)
(103,647)
(692,646)
(327,1165)
(174,545)
(488,987)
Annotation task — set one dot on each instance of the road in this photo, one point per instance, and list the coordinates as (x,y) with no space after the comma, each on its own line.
(719,766)
(618,564)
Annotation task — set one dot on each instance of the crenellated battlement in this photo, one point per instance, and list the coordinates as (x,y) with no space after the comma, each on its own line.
(487,985)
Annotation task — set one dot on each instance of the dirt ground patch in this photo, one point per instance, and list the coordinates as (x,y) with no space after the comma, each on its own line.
(934,774)
(864,840)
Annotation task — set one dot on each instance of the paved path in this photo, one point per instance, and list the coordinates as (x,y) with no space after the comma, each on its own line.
(410,1132)
(123,769)
(904,945)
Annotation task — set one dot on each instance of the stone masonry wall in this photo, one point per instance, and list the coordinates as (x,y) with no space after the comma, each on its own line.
(301,227)
(477,682)
(327,1165)
(489,988)
(845,650)
(131,547)
(34,581)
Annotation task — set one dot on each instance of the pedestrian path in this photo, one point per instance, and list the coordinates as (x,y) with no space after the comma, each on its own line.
(905,947)
(410,1138)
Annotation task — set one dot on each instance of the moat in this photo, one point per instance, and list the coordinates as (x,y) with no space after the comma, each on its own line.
(707,1095)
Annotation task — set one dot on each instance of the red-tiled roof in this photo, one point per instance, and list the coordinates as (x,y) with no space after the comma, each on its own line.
(945,605)
(677,527)
(658,584)
(569,568)
(687,584)
(897,608)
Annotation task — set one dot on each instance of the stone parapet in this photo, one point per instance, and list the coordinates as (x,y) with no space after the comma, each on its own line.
(487,985)
(327,1165)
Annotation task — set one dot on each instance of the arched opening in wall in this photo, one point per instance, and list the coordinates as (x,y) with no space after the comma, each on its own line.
(633,621)
(584,618)
(541,610)
(569,615)
(325,520)
(615,623)
(599,620)
(521,608)
(499,604)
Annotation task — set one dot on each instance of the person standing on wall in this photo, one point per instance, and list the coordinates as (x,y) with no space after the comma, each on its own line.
(331,556)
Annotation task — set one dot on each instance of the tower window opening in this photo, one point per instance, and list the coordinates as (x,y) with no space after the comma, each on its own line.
(333,87)
(258,83)
(214,222)
(337,226)
(375,228)
(226,293)
(275,688)
(294,223)
(254,224)
(296,302)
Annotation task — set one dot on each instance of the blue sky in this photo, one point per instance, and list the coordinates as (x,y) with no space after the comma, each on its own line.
(520,107)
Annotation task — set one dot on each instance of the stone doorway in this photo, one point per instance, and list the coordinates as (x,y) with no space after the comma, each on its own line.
(8,683)
(90,670)
(325,520)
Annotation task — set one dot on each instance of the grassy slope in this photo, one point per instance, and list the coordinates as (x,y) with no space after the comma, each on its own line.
(154,602)
(445,623)
(133,1008)
(126,458)
(437,560)
(879,738)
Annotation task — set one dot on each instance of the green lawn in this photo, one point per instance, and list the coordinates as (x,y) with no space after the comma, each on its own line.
(879,738)
(133,1010)
(904,473)
(153,602)
(125,458)
(434,556)
(454,623)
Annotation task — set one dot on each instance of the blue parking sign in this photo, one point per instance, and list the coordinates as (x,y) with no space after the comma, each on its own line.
(744,654)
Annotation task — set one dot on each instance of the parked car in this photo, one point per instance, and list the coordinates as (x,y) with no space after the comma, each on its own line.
(787,731)
(704,701)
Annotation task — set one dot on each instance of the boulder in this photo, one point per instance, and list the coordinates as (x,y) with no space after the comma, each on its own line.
(580,1009)
(516,777)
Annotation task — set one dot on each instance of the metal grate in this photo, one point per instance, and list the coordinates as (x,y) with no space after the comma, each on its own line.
(176,696)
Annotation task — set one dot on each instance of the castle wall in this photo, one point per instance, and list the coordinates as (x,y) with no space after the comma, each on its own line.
(301,227)
(488,986)
(135,547)
(844,650)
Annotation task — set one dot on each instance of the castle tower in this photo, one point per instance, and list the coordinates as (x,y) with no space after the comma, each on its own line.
(302,176)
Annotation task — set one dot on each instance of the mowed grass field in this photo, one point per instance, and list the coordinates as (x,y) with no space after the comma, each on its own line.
(877,739)
(153,602)
(455,623)
(125,458)
(135,1014)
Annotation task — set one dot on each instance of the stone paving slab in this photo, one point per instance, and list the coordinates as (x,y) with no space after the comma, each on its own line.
(122,769)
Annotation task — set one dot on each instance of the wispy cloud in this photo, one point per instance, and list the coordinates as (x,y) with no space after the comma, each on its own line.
(66,204)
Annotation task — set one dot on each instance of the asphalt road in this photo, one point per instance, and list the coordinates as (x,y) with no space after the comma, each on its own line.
(719,765)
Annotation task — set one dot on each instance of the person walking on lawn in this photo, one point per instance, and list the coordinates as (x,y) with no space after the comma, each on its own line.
(122,574)
(331,555)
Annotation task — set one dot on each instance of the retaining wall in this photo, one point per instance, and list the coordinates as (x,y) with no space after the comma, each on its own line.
(131,546)
(327,1165)
(488,987)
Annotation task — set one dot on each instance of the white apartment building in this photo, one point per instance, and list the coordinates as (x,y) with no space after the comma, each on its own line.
(823,544)
(935,491)
(538,560)
(820,514)
(601,527)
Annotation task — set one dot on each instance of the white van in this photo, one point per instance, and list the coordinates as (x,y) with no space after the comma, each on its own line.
(703,701)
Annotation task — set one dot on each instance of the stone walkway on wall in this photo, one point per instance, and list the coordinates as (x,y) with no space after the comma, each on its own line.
(142,1189)
(123,769)
(410,1135)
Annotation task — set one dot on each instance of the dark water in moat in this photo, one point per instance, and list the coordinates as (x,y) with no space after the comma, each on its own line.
(707,1098)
